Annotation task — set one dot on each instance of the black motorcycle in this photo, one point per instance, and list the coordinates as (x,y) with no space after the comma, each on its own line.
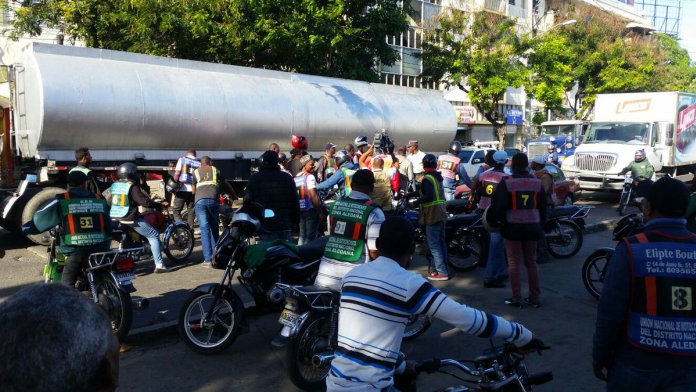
(310,333)
(213,315)
(563,230)
(594,270)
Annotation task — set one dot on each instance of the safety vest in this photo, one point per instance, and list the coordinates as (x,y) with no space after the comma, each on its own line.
(549,192)
(120,202)
(489,181)
(188,166)
(662,312)
(382,193)
(433,211)
(83,219)
(447,166)
(303,192)
(206,180)
(331,166)
(80,169)
(524,196)
(348,176)
(437,186)
(348,226)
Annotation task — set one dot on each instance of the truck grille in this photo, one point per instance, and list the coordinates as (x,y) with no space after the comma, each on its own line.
(536,149)
(594,162)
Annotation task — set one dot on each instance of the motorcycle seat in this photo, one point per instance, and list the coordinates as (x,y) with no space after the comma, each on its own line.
(313,250)
(457,206)
(463,220)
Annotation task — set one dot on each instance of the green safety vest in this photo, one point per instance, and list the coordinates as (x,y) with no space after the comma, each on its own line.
(437,186)
(348,225)
(120,202)
(83,220)
(348,177)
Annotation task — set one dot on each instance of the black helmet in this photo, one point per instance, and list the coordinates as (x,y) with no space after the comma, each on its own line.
(430,161)
(455,147)
(128,171)
(172,186)
(341,157)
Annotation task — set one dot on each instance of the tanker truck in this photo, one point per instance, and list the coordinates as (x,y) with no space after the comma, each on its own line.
(661,123)
(150,110)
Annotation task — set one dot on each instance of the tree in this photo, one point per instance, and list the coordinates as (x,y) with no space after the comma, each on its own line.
(482,54)
(340,38)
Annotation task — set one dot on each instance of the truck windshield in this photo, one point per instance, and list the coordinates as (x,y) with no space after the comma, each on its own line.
(557,130)
(629,133)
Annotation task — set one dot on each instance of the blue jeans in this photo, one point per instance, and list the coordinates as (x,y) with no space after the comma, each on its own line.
(496,267)
(449,186)
(309,226)
(626,378)
(152,235)
(208,214)
(435,235)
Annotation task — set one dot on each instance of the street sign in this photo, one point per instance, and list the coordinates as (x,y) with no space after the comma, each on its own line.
(513,117)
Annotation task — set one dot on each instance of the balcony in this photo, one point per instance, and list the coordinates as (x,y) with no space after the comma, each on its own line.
(500,6)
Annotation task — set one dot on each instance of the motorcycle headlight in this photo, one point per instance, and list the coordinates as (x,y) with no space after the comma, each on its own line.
(569,145)
(558,149)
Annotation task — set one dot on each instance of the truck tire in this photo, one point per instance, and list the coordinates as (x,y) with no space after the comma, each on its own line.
(34,204)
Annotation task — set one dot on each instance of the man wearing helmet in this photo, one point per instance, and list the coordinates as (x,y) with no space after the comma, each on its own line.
(433,215)
(183,174)
(452,172)
(485,185)
(551,156)
(641,169)
(125,196)
(362,145)
(342,177)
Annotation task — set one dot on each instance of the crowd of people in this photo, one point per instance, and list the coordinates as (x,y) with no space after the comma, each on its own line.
(368,246)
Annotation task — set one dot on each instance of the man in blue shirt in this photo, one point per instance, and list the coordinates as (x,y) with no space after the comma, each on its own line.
(644,338)
(345,167)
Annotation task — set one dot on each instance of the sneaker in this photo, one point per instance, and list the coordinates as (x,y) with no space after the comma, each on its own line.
(438,276)
(207,264)
(532,302)
(493,284)
(513,302)
(162,270)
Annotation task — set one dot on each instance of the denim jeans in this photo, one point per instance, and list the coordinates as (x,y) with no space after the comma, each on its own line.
(626,378)
(152,235)
(435,235)
(208,214)
(309,226)
(449,186)
(496,267)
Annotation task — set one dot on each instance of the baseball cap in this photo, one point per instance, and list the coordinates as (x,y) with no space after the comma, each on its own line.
(305,159)
(330,146)
(500,156)
(539,160)
(413,143)
(401,149)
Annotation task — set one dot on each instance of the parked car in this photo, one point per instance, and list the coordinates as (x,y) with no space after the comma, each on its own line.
(472,156)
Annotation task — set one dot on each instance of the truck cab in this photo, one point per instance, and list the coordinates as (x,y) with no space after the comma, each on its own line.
(563,135)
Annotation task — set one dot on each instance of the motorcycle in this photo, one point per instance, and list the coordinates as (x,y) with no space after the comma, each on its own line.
(499,368)
(310,333)
(109,279)
(632,192)
(594,269)
(177,237)
(465,235)
(563,230)
(213,316)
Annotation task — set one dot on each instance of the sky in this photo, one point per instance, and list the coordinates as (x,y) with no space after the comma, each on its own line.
(687,29)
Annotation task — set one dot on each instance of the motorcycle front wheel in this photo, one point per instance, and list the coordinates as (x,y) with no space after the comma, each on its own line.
(416,326)
(466,251)
(178,243)
(215,334)
(594,270)
(623,201)
(564,239)
(312,338)
(117,304)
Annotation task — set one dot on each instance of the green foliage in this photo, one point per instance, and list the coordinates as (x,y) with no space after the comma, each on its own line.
(481,53)
(550,63)
(341,38)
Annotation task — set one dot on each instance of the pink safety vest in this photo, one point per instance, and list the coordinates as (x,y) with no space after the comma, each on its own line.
(489,180)
(524,196)
(447,165)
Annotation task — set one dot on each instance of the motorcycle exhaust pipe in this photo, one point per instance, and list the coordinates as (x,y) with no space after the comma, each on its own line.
(320,360)
(276,295)
(141,303)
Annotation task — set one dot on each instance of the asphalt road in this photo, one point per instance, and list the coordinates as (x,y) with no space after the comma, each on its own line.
(159,361)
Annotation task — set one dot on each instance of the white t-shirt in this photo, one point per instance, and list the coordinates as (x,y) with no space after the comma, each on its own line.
(417,161)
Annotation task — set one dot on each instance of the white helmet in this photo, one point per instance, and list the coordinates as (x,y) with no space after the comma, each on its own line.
(361,141)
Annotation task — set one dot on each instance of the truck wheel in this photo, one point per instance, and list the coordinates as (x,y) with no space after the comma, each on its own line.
(34,204)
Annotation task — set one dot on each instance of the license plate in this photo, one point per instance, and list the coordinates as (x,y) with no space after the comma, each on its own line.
(289,318)
(124,278)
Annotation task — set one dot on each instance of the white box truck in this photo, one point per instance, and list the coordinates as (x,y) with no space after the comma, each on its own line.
(661,123)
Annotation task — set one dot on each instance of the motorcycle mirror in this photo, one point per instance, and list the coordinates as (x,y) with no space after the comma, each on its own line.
(268,213)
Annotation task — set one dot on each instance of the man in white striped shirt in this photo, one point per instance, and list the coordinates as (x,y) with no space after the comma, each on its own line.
(377,300)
